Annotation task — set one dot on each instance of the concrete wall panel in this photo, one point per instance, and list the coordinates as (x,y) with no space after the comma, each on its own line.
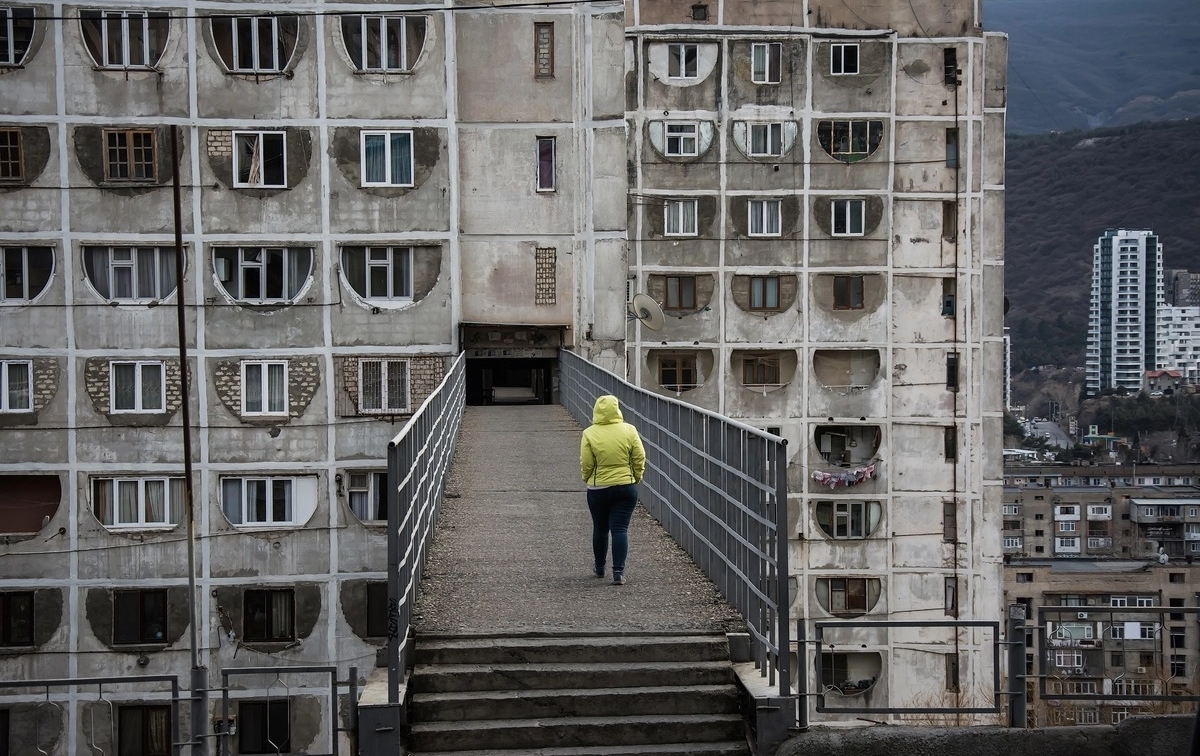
(498,170)
(492,76)
(419,93)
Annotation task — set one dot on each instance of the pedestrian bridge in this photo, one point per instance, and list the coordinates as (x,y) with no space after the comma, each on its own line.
(490,533)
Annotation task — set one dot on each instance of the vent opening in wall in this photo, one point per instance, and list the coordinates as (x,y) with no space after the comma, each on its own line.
(699,12)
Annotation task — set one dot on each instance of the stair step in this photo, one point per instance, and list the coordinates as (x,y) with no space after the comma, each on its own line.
(723,748)
(562,732)
(530,704)
(448,678)
(578,649)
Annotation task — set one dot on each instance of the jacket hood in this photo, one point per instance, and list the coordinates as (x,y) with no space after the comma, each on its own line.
(607,411)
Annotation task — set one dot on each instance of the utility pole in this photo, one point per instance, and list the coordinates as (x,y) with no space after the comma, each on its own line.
(199,687)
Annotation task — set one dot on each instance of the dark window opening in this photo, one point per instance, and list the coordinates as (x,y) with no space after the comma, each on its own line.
(129,155)
(951,671)
(268,615)
(764,293)
(27,502)
(681,293)
(952,371)
(545,164)
(16,618)
(144,731)
(848,293)
(16,34)
(384,43)
(11,164)
(139,617)
(950,65)
(377,610)
(949,219)
(952,148)
(25,272)
(950,524)
(677,373)
(949,295)
(849,141)
(264,727)
(762,370)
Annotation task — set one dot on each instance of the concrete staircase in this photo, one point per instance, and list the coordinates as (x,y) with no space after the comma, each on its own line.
(627,695)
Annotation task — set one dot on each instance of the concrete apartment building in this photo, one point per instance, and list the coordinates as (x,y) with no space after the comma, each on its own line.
(1127,292)
(814,192)
(1099,540)
(816,200)
(366,193)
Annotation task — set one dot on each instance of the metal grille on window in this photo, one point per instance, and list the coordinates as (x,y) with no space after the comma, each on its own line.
(545,272)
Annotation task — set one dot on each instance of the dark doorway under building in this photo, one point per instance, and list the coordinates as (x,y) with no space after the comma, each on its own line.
(512,380)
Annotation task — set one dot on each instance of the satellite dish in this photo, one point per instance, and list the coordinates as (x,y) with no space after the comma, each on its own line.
(645,309)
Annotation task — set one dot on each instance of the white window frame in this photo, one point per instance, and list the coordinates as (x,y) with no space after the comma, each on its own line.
(256,37)
(1148,631)
(772,139)
(1118,601)
(375,479)
(142,522)
(677,64)
(243,262)
(1068,658)
(268,485)
(1066,526)
(758,216)
(551,185)
(384,20)
(6,399)
(265,368)
(139,385)
(1144,601)
(843,210)
(386,403)
(133,263)
(675,217)
(1014,542)
(1066,543)
(837,59)
(18,258)
(687,132)
(386,258)
(1012,509)
(389,180)
(8,57)
(761,69)
(260,139)
(125,20)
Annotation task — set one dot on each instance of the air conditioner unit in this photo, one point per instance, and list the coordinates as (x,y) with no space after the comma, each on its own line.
(1141,670)
(1081,615)
(1080,670)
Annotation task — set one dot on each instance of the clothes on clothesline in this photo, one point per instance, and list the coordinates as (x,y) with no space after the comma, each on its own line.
(844,478)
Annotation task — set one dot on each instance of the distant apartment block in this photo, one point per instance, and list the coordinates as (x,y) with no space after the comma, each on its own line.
(1127,290)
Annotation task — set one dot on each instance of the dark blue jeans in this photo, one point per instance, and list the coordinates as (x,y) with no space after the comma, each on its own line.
(612,509)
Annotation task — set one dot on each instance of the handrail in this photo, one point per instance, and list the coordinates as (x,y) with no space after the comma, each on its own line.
(719,487)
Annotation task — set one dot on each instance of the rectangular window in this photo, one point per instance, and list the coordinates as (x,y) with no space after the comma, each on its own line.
(124,39)
(379,273)
(16,386)
(1118,601)
(951,671)
(682,61)
(848,217)
(765,59)
(761,370)
(254,44)
(268,615)
(681,293)
(950,65)
(543,45)
(950,443)
(681,140)
(764,217)
(16,618)
(949,219)
(139,617)
(766,139)
(16,34)
(144,731)
(1066,544)
(1024,577)
(1064,659)
(377,610)
(951,596)
(1178,637)
(843,59)
(545,164)
(263,501)
(383,43)
(952,148)
(368,496)
(764,293)
(849,518)
(131,273)
(264,726)
(129,155)
(137,386)
(847,292)
(1176,603)
(952,371)
(847,595)
(1012,509)
(138,502)
(264,388)
(11,165)
(680,217)
(950,522)
(382,386)
(677,372)
(387,158)
(1014,542)
(262,274)
(1067,526)
(260,159)
(1178,665)
(1144,601)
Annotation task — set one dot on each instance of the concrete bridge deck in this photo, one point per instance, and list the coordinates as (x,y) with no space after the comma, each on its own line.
(512,549)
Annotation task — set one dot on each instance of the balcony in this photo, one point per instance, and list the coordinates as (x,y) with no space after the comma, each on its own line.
(1099,512)
(1095,543)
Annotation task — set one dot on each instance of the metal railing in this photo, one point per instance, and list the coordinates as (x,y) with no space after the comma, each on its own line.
(279,690)
(719,487)
(418,459)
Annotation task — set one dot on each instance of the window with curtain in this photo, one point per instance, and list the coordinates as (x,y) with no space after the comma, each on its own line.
(383,43)
(137,386)
(368,495)
(16,386)
(255,44)
(382,386)
(764,293)
(379,273)
(138,502)
(130,274)
(264,388)
(144,731)
(260,159)
(262,275)
(765,60)
(680,217)
(258,501)
(387,158)
(764,217)
(124,38)
(268,615)
(766,139)
(24,271)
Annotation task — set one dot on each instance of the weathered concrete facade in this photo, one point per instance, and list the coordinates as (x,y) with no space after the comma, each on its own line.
(817,201)
(342,216)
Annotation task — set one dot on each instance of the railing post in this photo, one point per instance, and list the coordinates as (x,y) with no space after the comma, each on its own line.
(1017,696)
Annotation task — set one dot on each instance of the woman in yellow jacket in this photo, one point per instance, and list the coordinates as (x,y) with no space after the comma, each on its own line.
(612,461)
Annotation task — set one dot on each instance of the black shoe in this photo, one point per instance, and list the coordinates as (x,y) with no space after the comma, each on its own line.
(618,578)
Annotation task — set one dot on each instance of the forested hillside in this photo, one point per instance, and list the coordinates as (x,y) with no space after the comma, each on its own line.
(1063,191)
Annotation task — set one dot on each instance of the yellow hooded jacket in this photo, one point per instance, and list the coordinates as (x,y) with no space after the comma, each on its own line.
(610,452)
